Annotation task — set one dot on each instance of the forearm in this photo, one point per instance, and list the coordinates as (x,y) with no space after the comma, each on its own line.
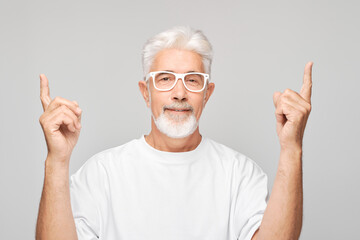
(55,219)
(283,215)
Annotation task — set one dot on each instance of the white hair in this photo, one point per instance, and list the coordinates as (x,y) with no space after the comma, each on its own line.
(180,37)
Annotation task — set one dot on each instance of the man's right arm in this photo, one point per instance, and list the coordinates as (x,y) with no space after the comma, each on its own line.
(61,126)
(55,220)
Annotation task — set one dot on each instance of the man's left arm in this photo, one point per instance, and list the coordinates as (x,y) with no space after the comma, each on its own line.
(283,215)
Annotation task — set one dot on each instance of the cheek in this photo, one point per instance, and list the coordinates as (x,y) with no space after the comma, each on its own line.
(199,106)
(156,103)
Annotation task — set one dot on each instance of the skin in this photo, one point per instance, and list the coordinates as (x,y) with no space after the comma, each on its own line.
(61,124)
(283,215)
(178,61)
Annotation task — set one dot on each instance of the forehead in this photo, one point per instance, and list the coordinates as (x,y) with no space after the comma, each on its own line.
(176,60)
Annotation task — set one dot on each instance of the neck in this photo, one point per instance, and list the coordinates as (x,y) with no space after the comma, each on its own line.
(161,142)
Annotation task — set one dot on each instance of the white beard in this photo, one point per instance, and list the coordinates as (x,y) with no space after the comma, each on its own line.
(176,126)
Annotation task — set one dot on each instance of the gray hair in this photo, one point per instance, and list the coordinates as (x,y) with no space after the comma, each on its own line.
(181,37)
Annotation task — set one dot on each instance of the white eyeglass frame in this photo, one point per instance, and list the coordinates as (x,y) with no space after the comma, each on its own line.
(177,76)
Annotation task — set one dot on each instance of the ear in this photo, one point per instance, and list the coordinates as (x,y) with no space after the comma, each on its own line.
(209,91)
(144,92)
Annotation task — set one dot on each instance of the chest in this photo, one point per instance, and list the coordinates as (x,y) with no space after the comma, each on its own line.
(156,201)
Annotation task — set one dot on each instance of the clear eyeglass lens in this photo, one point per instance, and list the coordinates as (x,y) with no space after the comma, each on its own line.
(192,81)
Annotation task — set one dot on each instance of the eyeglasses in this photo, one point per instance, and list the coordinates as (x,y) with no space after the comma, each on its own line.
(165,81)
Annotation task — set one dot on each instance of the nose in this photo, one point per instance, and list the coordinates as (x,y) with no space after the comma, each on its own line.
(179,92)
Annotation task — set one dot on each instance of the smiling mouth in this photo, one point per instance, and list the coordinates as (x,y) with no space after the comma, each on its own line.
(178,110)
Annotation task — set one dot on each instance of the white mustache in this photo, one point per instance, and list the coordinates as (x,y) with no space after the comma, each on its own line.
(179,106)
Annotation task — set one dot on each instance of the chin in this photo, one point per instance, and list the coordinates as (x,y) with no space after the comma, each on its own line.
(180,128)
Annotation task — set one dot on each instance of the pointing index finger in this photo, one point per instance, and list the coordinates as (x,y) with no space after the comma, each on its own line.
(305,91)
(44,91)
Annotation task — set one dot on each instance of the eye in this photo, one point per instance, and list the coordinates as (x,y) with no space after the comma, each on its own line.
(164,77)
(193,79)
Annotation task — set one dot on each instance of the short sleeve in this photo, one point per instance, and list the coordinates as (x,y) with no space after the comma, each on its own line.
(250,198)
(85,189)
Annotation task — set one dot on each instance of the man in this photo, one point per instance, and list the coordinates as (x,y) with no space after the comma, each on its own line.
(173,183)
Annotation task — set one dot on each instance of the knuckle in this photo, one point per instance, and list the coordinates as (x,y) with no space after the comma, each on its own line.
(43,119)
(283,97)
(303,110)
(57,99)
(285,107)
(287,91)
(44,124)
(308,107)
(63,108)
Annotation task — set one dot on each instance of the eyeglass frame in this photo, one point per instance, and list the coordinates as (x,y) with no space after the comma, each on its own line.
(177,76)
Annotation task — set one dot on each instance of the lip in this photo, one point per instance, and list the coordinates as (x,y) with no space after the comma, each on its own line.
(178,110)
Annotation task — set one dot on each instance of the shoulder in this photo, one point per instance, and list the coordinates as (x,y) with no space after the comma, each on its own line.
(240,162)
(101,160)
(114,152)
(224,150)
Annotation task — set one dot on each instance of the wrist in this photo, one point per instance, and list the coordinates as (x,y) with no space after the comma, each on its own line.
(56,174)
(290,160)
(289,144)
(57,160)
(57,166)
(294,150)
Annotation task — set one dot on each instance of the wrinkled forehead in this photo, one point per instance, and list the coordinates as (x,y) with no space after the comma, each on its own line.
(178,61)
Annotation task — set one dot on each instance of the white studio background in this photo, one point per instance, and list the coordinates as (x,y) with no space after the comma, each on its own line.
(91,53)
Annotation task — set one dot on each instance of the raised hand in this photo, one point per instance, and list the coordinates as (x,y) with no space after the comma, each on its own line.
(292,112)
(60,123)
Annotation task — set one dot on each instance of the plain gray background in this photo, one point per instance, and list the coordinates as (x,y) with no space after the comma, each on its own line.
(91,53)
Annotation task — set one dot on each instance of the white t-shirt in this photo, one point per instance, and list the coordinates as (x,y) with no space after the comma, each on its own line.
(136,192)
